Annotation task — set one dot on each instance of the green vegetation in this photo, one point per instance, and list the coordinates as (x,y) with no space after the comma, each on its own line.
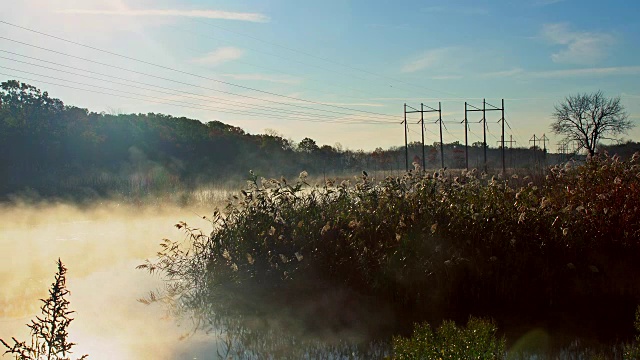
(421,247)
(632,351)
(477,340)
(49,332)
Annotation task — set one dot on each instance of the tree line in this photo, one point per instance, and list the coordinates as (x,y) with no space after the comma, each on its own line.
(52,148)
(47,145)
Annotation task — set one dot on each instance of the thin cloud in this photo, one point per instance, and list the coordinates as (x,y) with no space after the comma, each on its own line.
(602,71)
(502,74)
(219,56)
(208,14)
(579,47)
(565,73)
(423,99)
(263,77)
(356,104)
(548,74)
(458,10)
(429,59)
(547,2)
(446,77)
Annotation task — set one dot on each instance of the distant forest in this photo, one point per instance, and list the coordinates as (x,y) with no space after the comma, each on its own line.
(51,148)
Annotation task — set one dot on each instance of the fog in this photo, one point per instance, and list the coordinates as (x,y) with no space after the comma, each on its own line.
(100,245)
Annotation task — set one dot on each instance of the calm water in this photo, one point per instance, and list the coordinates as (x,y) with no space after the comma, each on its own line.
(101,247)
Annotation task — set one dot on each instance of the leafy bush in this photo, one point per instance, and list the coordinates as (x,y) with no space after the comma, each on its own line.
(477,340)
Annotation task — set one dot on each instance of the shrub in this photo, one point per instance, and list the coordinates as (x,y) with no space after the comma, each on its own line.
(422,243)
(49,332)
(477,340)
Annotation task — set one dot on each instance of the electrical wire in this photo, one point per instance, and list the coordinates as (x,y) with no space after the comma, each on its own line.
(329,60)
(165,102)
(515,132)
(173,91)
(176,81)
(186,72)
(280,57)
(142,95)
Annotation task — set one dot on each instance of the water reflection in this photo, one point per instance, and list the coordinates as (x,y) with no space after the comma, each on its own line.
(101,246)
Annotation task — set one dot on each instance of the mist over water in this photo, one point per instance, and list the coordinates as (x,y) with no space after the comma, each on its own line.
(101,245)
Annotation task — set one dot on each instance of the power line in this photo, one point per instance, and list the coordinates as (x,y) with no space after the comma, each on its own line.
(146,97)
(164,101)
(448,132)
(413,131)
(176,81)
(328,60)
(186,72)
(515,132)
(138,82)
(127,92)
(429,131)
(277,56)
(490,134)
(174,92)
(476,135)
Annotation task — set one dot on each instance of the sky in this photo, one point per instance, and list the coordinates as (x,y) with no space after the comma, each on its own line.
(335,71)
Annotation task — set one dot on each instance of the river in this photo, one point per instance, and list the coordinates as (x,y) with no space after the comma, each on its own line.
(100,245)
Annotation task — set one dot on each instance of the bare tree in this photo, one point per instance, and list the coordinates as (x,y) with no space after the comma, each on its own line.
(590,118)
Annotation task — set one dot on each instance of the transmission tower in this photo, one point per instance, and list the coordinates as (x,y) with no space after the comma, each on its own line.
(535,141)
(484,129)
(421,122)
(501,142)
(406,145)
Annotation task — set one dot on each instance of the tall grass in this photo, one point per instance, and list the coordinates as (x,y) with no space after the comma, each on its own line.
(424,246)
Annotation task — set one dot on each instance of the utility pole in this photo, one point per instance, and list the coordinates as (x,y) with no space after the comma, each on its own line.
(422,111)
(535,141)
(424,161)
(563,149)
(439,111)
(504,169)
(466,142)
(484,126)
(544,140)
(484,132)
(510,142)
(441,142)
(406,145)
(466,110)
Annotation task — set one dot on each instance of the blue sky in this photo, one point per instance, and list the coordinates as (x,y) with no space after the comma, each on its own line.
(336,71)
